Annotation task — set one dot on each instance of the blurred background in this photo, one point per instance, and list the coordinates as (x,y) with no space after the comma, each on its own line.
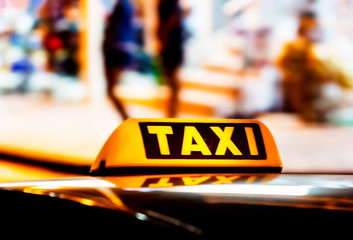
(72,71)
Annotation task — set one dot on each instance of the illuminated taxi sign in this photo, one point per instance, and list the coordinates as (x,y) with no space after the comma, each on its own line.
(158,146)
(202,140)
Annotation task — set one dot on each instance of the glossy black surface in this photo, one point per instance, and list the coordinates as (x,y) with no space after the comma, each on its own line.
(213,206)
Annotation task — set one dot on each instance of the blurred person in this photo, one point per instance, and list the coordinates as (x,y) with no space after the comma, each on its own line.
(162,42)
(303,72)
(118,48)
(164,36)
(170,36)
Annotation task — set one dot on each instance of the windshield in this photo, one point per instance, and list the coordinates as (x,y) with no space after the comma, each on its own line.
(71,71)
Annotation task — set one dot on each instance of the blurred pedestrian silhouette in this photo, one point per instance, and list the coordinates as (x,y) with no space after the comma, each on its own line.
(118,48)
(303,72)
(162,29)
(170,47)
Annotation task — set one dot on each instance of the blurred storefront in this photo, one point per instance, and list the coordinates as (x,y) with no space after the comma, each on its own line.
(286,62)
(233,53)
(39,50)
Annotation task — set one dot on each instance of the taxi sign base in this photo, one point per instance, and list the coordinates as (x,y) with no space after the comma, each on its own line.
(181,170)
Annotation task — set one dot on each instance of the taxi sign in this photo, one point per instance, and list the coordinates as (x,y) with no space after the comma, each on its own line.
(161,146)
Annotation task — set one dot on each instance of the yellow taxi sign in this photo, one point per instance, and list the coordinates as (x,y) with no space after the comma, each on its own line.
(145,146)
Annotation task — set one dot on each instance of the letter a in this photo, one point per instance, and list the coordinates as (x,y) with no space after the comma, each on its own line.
(190,134)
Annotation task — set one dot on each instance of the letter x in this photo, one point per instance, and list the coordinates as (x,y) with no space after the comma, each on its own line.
(225,141)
